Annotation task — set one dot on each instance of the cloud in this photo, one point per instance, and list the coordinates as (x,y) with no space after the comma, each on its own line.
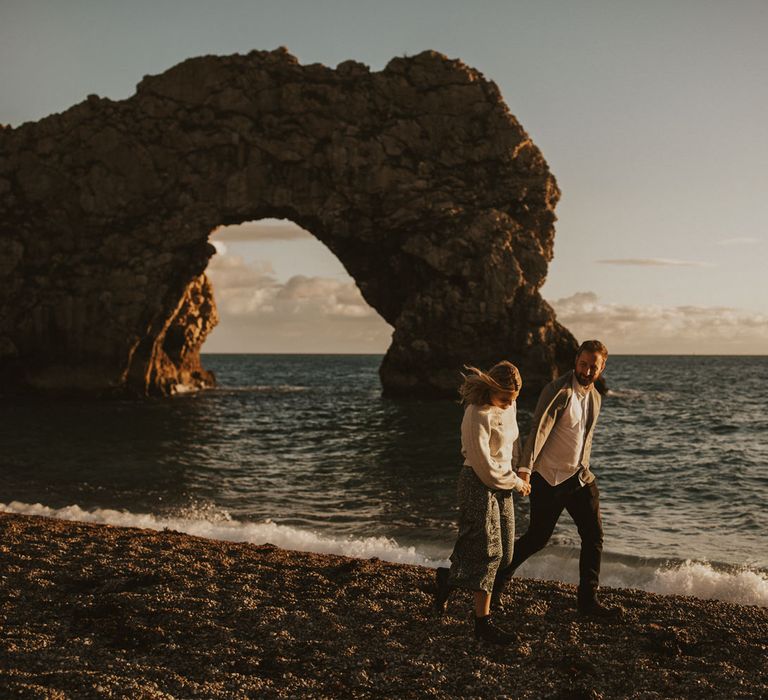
(654,262)
(332,297)
(739,240)
(304,314)
(234,279)
(636,329)
(264,230)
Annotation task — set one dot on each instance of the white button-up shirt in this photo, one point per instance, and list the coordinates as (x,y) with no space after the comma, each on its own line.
(560,458)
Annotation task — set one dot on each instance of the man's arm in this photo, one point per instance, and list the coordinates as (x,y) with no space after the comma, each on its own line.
(596,401)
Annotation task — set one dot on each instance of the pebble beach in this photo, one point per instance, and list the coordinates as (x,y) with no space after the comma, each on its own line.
(91,611)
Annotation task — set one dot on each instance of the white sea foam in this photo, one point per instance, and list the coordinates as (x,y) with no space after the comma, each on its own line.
(700,579)
(263,389)
(219,526)
(184,389)
(695,578)
(738,585)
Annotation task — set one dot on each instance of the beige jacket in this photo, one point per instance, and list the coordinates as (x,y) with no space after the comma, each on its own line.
(554,400)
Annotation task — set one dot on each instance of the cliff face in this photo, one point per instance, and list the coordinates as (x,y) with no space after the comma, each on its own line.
(417,177)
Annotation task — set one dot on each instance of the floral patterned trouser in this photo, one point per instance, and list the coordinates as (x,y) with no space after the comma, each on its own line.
(486,534)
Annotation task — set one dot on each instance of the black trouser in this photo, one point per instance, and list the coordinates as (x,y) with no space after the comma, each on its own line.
(583,505)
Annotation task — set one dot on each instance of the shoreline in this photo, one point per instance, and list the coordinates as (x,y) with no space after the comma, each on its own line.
(703,578)
(99,611)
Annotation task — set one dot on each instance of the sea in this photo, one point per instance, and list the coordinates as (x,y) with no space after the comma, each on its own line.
(302,451)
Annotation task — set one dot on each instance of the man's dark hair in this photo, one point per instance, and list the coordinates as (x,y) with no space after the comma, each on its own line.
(593,346)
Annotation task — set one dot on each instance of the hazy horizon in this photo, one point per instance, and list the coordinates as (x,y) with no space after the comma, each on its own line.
(377,354)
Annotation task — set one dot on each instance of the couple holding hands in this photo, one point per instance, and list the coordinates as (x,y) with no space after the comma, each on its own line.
(552,468)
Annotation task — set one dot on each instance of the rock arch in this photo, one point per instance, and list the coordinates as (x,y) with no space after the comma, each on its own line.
(417,177)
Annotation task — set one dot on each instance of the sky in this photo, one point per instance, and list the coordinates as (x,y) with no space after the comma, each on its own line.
(652,116)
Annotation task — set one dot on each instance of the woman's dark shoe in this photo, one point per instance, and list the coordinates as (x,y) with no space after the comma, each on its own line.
(486,631)
(442,589)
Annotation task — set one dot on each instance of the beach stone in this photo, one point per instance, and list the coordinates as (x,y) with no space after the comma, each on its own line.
(417,177)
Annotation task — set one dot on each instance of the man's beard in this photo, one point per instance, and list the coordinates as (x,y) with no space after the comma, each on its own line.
(585,381)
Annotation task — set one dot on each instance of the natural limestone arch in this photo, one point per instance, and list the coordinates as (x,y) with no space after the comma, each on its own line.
(417,177)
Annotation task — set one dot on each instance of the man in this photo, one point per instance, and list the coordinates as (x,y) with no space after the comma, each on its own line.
(555,460)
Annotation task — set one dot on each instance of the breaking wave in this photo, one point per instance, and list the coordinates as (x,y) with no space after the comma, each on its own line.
(742,585)
(216,524)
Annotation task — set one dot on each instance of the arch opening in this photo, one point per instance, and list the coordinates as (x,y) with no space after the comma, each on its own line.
(278,290)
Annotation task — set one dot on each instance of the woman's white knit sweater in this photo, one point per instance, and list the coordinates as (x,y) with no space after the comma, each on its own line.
(490,443)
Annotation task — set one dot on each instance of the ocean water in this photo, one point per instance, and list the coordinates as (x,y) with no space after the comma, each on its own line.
(303,451)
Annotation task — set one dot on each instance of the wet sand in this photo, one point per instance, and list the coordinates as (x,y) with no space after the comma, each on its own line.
(92,611)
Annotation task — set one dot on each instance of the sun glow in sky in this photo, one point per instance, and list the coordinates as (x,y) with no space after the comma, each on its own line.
(650,114)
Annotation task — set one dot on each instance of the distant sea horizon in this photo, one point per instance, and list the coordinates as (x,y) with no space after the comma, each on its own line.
(381,354)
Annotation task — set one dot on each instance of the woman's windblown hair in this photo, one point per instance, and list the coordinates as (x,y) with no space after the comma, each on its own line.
(478,386)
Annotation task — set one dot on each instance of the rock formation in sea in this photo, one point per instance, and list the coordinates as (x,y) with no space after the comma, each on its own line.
(417,177)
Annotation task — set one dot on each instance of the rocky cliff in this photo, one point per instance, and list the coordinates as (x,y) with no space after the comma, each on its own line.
(417,177)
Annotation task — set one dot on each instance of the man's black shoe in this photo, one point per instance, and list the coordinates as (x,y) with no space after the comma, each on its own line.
(486,631)
(442,589)
(594,608)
